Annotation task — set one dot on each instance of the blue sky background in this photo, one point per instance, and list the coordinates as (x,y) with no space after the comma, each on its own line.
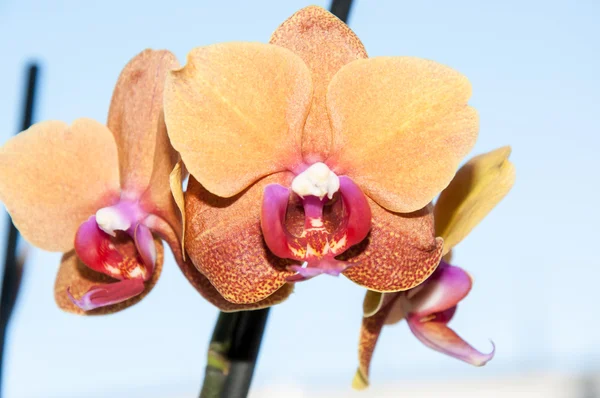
(534,67)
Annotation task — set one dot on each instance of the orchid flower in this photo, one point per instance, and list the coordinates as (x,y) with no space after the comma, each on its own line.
(99,194)
(477,187)
(307,158)
(102,195)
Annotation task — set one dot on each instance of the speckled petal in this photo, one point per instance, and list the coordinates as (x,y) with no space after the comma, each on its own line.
(78,278)
(325,44)
(224,241)
(201,283)
(236,111)
(136,119)
(212,295)
(369,334)
(54,176)
(475,190)
(400,252)
(401,126)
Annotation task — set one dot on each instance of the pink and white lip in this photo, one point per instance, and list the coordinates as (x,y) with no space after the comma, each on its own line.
(316,248)
(102,243)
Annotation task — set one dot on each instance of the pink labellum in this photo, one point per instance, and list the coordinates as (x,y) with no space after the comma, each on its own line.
(94,248)
(112,293)
(358,220)
(319,241)
(114,256)
(116,243)
(144,242)
(272,220)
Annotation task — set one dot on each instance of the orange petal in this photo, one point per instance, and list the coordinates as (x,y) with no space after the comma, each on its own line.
(201,283)
(137,121)
(369,334)
(53,177)
(236,111)
(475,190)
(225,243)
(401,127)
(212,295)
(325,44)
(400,252)
(76,276)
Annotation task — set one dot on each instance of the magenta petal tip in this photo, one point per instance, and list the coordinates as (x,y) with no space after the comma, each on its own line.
(109,294)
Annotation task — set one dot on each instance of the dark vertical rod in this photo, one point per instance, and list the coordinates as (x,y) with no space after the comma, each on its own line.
(243,352)
(237,337)
(341,9)
(13,266)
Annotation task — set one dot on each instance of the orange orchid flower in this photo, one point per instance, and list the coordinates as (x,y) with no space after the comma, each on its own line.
(306,157)
(100,194)
(103,196)
(477,188)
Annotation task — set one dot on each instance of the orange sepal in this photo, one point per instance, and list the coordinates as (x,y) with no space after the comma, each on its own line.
(325,44)
(136,119)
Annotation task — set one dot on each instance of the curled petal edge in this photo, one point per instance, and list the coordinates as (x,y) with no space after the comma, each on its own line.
(178,174)
(438,336)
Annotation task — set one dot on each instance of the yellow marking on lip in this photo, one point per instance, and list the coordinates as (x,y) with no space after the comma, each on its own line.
(310,251)
(300,253)
(335,246)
